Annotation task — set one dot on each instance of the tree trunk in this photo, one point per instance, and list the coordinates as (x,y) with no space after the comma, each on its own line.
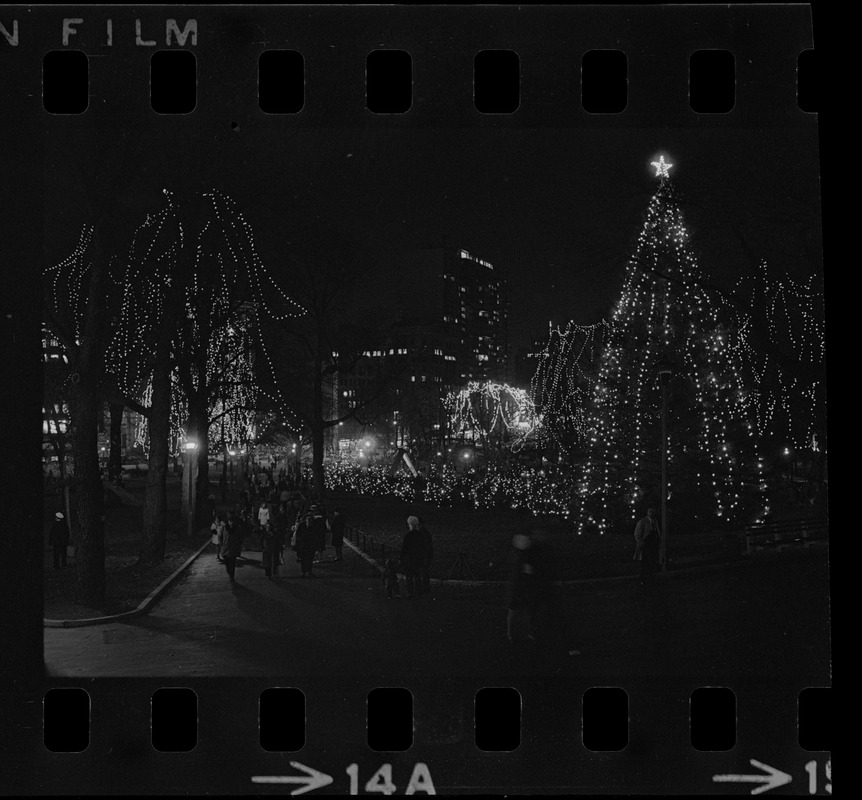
(317,431)
(318,475)
(115,454)
(155,530)
(198,429)
(59,444)
(85,405)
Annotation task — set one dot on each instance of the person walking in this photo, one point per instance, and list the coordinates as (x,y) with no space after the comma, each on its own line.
(647,545)
(336,528)
(232,524)
(221,532)
(214,538)
(233,545)
(272,545)
(263,514)
(318,525)
(545,590)
(58,538)
(533,587)
(520,590)
(411,556)
(263,517)
(306,542)
(425,561)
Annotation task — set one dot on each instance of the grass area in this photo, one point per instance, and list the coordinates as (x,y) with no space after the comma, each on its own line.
(485,539)
(127,582)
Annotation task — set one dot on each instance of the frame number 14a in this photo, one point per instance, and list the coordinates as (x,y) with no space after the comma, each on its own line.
(381,781)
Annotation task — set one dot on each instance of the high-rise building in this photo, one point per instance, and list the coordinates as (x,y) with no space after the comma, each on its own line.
(466,299)
(444,322)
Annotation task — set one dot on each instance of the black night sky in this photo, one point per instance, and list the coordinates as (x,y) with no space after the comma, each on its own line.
(556,207)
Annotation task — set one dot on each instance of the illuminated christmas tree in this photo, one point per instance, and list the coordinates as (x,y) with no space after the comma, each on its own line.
(665,313)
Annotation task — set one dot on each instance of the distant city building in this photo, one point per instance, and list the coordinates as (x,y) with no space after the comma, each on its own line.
(446,323)
(461,294)
(56,425)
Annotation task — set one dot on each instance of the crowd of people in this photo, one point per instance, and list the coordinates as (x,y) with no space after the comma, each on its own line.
(272,516)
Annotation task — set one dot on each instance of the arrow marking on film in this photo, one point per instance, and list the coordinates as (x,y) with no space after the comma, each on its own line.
(773,778)
(312,779)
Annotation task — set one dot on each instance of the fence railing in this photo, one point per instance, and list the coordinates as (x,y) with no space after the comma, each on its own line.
(461,569)
(367,543)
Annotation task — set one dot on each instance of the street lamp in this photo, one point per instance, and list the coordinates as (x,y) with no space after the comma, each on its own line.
(665,370)
(190,448)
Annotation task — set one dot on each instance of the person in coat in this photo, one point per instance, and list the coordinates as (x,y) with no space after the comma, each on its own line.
(318,524)
(518,622)
(233,545)
(58,538)
(533,577)
(336,527)
(412,555)
(647,545)
(272,546)
(306,543)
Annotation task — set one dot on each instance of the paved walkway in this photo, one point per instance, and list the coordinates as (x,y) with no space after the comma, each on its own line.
(767,615)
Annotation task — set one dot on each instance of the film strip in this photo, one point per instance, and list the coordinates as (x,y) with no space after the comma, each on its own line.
(506,133)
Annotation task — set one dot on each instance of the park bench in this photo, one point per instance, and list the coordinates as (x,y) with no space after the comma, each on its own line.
(784,533)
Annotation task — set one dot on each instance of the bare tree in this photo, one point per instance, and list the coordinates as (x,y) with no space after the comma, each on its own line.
(77,310)
(310,353)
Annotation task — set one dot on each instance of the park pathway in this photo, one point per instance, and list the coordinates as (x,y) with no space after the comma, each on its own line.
(768,617)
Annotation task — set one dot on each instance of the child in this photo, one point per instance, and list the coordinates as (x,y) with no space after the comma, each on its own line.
(390,580)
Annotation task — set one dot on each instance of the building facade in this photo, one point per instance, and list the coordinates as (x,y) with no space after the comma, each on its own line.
(446,313)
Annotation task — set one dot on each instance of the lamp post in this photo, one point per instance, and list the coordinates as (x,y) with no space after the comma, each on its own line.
(664,370)
(190,449)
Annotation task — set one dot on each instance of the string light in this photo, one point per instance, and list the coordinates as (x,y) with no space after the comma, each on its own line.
(562,385)
(662,313)
(785,397)
(226,293)
(487,410)
(662,168)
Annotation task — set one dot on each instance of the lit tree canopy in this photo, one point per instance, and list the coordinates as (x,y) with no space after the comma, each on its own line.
(196,254)
(563,383)
(492,414)
(785,374)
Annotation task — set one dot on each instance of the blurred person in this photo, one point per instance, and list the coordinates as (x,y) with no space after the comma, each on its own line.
(336,528)
(411,556)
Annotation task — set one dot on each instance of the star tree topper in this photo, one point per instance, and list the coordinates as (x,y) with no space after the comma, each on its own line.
(661,167)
